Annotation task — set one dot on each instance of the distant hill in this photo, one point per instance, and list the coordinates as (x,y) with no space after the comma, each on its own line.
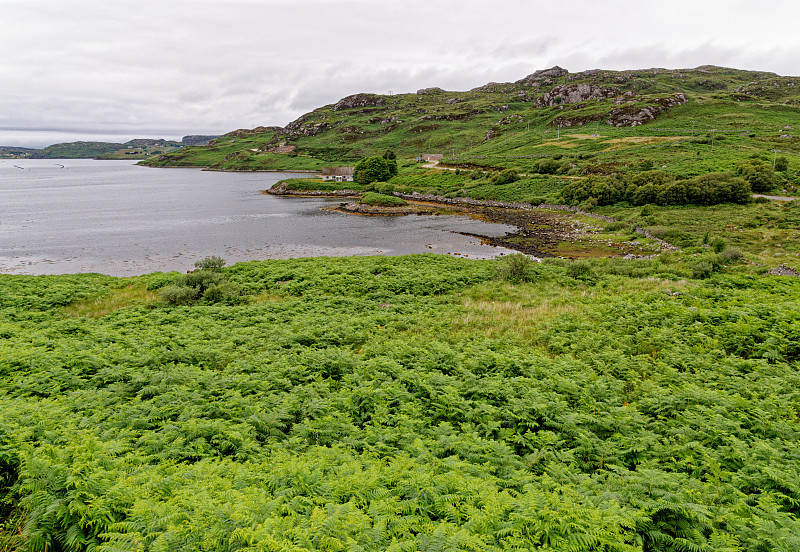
(596,117)
(15,152)
(138,148)
(76,150)
(141,148)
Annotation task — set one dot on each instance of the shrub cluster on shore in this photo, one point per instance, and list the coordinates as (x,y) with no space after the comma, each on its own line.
(659,188)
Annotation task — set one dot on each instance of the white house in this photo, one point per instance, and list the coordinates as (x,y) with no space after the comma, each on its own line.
(338,174)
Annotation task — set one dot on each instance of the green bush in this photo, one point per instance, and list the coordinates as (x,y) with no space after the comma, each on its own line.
(730,256)
(372,198)
(582,271)
(506,177)
(207,282)
(617,226)
(702,269)
(657,187)
(516,268)
(223,292)
(201,279)
(384,188)
(546,166)
(374,169)
(760,177)
(210,263)
(175,294)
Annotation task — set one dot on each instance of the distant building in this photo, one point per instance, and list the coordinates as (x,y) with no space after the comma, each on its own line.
(430,157)
(338,174)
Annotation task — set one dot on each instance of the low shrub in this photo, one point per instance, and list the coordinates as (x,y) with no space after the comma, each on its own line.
(516,268)
(384,188)
(175,294)
(207,282)
(760,177)
(582,271)
(730,256)
(506,177)
(702,269)
(617,226)
(372,198)
(223,292)
(212,263)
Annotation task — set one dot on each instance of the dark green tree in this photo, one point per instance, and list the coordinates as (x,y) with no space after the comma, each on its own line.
(391,159)
(760,177)
(373,169)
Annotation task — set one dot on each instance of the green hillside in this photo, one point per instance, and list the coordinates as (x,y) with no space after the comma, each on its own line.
(688,121)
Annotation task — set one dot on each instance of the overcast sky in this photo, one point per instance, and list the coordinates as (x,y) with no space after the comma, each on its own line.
(98,69)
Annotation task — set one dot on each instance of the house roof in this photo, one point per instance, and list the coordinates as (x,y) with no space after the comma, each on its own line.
(337,171)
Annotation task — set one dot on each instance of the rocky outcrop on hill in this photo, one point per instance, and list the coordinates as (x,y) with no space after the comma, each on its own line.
(632,113)
(197,140)
(431,90)
(359,100)
(245,132)
(543,76)
(575,93)
(281,147)
(783,270)
(303,127)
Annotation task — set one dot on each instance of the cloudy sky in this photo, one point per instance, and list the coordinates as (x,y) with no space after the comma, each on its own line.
(97,69)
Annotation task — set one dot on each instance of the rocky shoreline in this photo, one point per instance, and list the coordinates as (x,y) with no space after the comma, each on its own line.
(540,229)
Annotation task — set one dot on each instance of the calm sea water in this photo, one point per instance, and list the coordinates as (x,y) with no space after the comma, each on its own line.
(68,216)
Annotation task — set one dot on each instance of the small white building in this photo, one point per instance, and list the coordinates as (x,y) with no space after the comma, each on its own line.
(338,174)
(430,157)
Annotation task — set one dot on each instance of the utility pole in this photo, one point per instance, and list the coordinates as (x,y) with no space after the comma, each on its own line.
(692,127)
(775,158)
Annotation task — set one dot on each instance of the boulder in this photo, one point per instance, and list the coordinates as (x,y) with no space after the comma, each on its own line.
(359,100)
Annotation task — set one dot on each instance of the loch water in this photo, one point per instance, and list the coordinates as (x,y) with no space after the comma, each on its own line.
(117,218)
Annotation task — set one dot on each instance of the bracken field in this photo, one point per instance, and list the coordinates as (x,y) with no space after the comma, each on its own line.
(410,403)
